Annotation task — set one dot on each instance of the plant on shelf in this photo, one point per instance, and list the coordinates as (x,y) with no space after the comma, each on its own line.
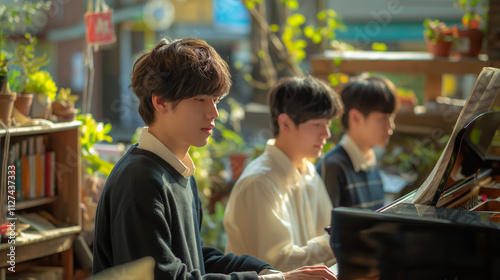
(439,37)
(3,72)
(7,98)
(26,59)
(471,18)
(30,65)
(64,105)
(41,83)
(18,14)
(470,36)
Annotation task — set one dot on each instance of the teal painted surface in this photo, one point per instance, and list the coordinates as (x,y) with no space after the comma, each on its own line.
(373,31)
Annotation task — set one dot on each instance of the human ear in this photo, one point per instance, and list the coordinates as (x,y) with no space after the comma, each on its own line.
(355,116)
(284,122)
(159,104)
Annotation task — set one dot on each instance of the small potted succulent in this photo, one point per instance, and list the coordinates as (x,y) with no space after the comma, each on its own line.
(63,106)
(439,37)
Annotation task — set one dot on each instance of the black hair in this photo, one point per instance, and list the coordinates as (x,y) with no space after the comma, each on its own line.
(302,99)
(367,95)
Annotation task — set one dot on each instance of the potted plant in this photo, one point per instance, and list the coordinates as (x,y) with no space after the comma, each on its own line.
(7,98)
(44,88)
(439,37)
(63,106)
(470,36)
(30,64)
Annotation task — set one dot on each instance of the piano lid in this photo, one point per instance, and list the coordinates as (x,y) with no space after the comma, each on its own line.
(476,147)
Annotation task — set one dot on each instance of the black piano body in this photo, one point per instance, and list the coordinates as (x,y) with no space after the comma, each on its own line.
(455,235)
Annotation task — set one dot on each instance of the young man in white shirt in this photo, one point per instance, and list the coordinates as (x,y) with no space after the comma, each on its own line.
(279,206)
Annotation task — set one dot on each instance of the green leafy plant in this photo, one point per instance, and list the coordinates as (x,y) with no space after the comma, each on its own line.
(212,230)
(93,132)
(280,48)
(3,64)
(416,156)
(29,63)
(437,30)
(65,98)
(471,18)
(15,13)
(41,82)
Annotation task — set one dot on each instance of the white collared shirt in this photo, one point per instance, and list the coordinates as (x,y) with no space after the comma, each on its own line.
(149,142)
(359,161)
(278,214)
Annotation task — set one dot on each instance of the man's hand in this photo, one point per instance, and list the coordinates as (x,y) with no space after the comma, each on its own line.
(310,272)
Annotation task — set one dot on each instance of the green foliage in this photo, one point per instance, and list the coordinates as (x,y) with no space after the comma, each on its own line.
(295,33)
(281,47)
(42,83)
(212,230)
(417,155)
(15,80)
(13,14)
(93,132)
(3,64)
(435,29)
(65,98)
(381,47)
(26,59)
(250,4)
(471,19)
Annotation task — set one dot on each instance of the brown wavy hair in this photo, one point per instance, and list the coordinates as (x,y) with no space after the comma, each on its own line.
(178,70)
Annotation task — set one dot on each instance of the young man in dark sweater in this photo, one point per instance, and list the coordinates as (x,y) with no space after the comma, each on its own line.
(349,171)
(150,204)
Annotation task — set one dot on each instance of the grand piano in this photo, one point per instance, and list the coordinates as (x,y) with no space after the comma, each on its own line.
(449,228)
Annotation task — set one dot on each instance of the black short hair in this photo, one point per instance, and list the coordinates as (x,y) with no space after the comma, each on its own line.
(178,70)
(302,99)
(367,95)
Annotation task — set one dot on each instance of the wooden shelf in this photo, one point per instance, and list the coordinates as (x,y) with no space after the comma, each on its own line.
(355,62)
(39,129)
(33,245)
(64,140)
(25,204)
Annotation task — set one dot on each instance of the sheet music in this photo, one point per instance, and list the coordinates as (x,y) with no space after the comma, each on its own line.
(480,100)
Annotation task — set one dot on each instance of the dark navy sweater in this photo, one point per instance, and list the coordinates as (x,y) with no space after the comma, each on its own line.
(346,187)
(148,209)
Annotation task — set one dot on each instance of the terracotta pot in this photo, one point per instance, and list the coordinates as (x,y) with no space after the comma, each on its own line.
(63,113)
(469,42)
(6,107)
(440,49)
(41,106)
(237,163)
(23,103)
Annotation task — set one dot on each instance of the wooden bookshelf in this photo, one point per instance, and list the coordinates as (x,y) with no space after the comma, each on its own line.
(63,139)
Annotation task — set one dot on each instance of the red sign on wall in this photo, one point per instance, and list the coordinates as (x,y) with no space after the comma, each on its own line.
(99,28)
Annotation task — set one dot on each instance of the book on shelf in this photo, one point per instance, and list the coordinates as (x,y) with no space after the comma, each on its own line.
(35,167)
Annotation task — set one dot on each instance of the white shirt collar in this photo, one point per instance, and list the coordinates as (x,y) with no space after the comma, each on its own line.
(148,141)
(285,162)
(359,162)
